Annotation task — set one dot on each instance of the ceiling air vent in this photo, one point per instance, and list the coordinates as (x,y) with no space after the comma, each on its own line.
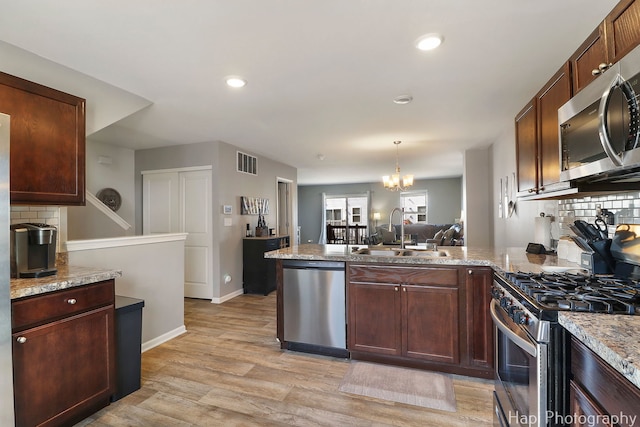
(247,164)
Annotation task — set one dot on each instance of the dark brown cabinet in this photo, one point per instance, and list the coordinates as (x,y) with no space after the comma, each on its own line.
(430,317)
(537,142)
(590,59)
(480,345)
(63,354)
(552,96)
(616,36)
(526,148)
(258,273)
(622,29)
(598,389)
(47,139)
(375,324)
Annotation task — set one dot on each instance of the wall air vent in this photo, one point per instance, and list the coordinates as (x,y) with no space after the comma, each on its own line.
(247,164)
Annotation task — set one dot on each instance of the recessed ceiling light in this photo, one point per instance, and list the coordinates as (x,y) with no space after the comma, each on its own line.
(235,81)
(429,41)
(403,99)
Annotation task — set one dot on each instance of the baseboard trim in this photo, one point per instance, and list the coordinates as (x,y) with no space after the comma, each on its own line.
(148,345)
(227,297)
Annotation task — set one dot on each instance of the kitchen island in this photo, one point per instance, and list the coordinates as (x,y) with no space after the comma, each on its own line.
(423,309)
(611,337)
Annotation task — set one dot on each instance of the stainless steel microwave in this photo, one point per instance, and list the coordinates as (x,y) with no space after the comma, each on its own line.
(598,128)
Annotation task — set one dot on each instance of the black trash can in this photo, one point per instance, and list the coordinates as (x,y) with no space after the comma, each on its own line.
(128,325)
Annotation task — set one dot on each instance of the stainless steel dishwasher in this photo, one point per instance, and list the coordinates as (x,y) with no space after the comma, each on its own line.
(314,312)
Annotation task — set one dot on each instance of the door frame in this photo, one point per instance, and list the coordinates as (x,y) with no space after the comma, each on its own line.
(285,208)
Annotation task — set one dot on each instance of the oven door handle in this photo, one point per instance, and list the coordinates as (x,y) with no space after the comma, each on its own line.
(523,343)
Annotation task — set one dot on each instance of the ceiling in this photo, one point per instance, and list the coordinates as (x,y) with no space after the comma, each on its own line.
(322,74)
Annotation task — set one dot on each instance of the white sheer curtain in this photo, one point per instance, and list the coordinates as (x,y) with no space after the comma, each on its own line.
(323,223)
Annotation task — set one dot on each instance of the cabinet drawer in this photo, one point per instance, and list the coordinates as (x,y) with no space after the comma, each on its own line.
(43,308)
(411,275)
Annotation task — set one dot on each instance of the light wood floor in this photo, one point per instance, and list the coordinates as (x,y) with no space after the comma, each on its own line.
(228,370)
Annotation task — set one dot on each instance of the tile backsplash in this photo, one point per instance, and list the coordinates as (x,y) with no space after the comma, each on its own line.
(41,214)
(625,207)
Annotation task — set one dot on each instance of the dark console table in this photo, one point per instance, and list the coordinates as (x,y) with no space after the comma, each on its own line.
(258,273)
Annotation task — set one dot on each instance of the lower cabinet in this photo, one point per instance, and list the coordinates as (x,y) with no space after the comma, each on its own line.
(63,354)
(598,392)
(433,317)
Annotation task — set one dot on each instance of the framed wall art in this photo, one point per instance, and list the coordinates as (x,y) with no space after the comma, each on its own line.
(254,206)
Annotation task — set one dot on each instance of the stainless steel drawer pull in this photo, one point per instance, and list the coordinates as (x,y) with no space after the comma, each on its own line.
(21,340)
(72,301)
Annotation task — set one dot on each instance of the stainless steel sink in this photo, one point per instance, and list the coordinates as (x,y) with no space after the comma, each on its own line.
(432,254)
(401,252)
(380,251)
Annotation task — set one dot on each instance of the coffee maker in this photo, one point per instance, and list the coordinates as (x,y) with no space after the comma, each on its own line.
(33,250)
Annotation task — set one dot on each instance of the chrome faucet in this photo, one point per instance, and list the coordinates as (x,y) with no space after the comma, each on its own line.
(401,210)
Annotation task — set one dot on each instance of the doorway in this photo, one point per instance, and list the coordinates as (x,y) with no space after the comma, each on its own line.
(347,218)
(284,209)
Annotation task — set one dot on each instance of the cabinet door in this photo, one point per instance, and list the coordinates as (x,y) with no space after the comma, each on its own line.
(479,331)
(622,29)
(549,99)
(527,149)
(583,407)
(587,58)
(374,318)
(47,143)
(430,316)
(63,368)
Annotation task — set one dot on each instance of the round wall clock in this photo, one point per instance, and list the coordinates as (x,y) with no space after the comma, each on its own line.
(110,197)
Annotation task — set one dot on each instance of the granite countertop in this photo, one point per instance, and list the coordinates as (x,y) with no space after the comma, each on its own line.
(612,337)
(501,259)
(67,277)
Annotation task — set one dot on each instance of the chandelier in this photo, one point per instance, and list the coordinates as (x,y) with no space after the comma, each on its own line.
(393,182)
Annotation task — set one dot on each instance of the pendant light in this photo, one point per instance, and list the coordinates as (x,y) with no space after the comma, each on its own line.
(393,182)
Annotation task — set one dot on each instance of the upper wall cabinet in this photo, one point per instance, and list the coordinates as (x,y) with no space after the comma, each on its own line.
(616,36)
(590,60)
(551,97)
(527,148)
(537,145)
(622,28)
(47,160)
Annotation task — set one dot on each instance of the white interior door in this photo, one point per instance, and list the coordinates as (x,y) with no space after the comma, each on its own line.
(180,202)
(195,219)
(160,203)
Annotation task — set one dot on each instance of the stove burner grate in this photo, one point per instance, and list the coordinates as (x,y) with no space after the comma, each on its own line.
(577,292)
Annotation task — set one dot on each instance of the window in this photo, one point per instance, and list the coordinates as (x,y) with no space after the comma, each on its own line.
(415,205)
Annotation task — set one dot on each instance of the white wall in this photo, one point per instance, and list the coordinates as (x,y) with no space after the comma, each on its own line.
(477,205)
(152,269)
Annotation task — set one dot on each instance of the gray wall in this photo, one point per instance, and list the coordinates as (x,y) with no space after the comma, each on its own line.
(228,186)
(445,202)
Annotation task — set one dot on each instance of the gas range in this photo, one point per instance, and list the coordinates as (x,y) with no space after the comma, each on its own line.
(549,292)
(532,360)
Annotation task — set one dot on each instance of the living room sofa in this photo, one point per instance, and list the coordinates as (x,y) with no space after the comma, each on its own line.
(440,234)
